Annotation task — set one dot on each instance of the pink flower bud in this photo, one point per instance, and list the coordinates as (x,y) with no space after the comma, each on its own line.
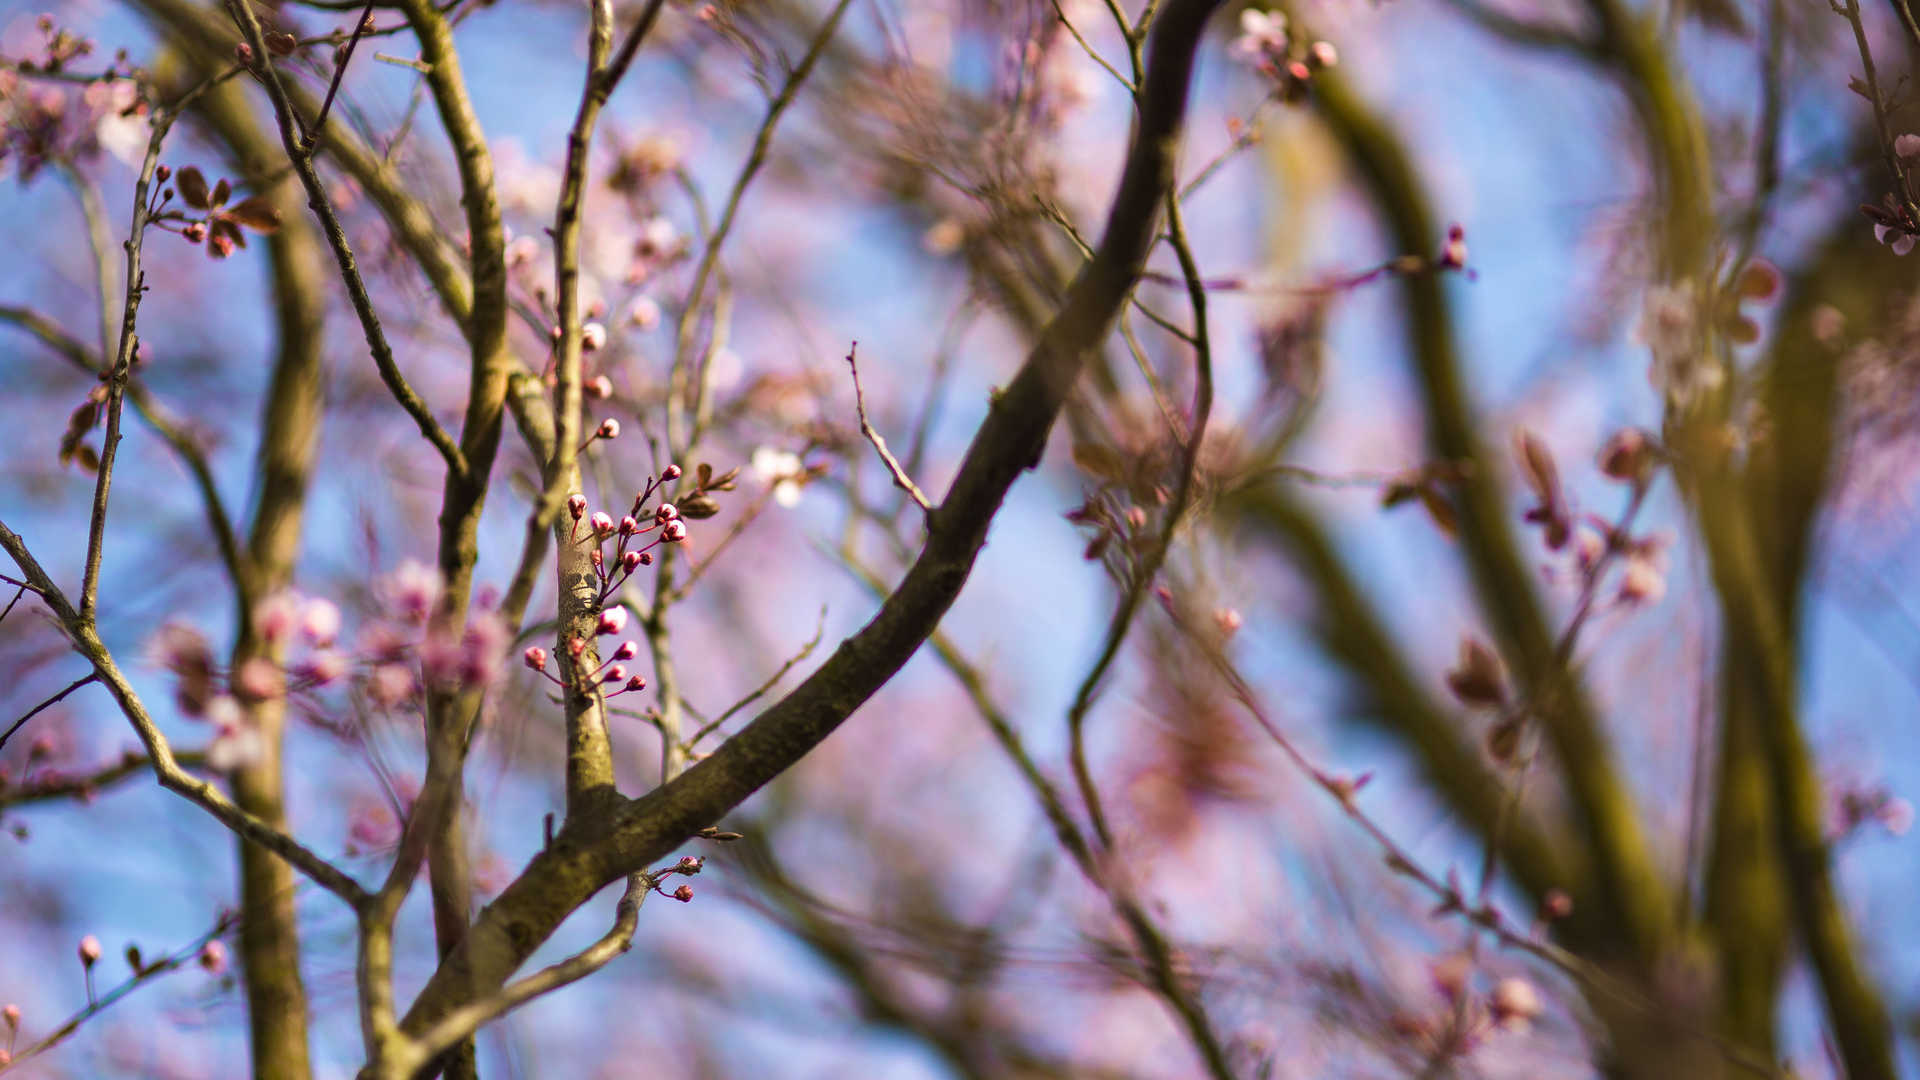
(675,531)
(690,864)
(89,950)
(325,666)
(320,621)
(631,560)
(599,387)
(683,894)
(536,658)
(576,646)
(11,1014)
(1454,255)
(243,52)
(616,673)
(667,512)
(194,233)
(576,505)
(162,173)
(609,429)
(613,620)
(638,682)
(1323,54)
(602,521)
(213,957)
(628,526)
(646,558)
(593,336)
(1515,1004)
(1642,582)
(670,474)
(627,650)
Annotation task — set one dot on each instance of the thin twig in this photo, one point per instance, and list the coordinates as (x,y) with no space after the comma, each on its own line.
(171,962)
(463,1022)
(86,641)
(300,154)
(900,478)
(761,691)
(47,704)
(360,27)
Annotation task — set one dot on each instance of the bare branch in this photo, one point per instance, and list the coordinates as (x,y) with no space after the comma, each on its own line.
(900,477)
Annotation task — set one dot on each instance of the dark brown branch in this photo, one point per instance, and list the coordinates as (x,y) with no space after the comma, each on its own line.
(45,705)
(589,853)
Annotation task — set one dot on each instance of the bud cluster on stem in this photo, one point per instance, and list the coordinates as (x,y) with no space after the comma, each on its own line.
(632,549)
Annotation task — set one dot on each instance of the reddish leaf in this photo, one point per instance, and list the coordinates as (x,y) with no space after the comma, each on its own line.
(193,188)
(256,213)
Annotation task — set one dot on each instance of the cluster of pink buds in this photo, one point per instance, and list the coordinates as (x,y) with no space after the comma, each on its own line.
(688,865)
(632,547)
(612,671)
(1268,47)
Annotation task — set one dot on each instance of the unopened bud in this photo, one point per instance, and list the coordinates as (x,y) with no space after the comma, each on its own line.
(616,673)
(638,682)
(627,650)
(576,505)
(683,894)
(690,864)
(1628,455)
(612,621)
(599,387)
(593,336)
(670,473)
(1479,680)
(576,646)
(243,52)
(628,526)
(609,429)
(602,521)
(536,658)
(161,173)
(630,561)
(675,531)
(1454,255)
(11,1014)
(89,950)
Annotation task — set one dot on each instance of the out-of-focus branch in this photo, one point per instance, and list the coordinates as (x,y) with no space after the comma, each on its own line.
(171,775)
(1146,569)
(65,785)
(290,424)
(164,423)
(682,432)
(1356,636)
(1151,945)
(590,853)
(292,139)
(1627,881)
(173,961)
